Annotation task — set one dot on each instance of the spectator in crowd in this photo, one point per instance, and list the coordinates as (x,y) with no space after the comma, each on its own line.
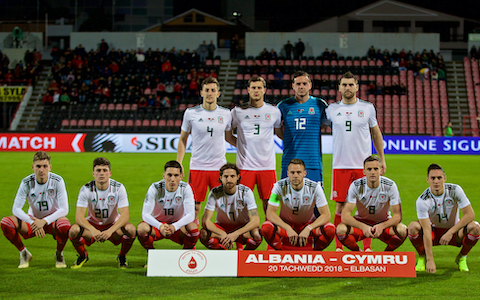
(333,55)
(288,50)
(203,51)
(326,54)
(211,50)
(371,54)
(300,49)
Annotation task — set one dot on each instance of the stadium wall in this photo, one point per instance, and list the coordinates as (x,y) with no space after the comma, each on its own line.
(345,44)
(143,40)
(168,143)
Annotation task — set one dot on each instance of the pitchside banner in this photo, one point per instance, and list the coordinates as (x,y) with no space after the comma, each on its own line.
(211,263)
(168,143)
(12,93)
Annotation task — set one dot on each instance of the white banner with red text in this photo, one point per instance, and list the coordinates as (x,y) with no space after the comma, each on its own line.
(232,263)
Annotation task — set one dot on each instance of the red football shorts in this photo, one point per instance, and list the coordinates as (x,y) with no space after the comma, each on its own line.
(200,180)
(263,179)
(341,181)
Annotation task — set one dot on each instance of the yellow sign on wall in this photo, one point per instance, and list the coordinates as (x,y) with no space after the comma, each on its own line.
(12,93)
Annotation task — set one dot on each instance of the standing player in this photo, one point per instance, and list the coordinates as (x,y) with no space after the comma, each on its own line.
(373,196)
(207,124)
(107,204)
(169,211)
(48,206)
(255,122)
(237,216)
(303,116)
(297,223)
(353,123)
(439,223)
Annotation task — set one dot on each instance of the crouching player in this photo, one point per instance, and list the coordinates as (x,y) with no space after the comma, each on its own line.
(439,223)
(169,211)
(48,206)
(237,216)
(374,196)
(107,204)
(297,223)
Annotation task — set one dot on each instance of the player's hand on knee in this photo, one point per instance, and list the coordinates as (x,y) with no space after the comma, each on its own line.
(39,232)
(38,224)
(446,238)
(377,230)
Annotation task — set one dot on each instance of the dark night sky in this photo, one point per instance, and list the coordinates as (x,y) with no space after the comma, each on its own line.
(301,13)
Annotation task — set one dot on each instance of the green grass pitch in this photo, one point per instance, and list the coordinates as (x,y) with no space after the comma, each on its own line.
(100,278)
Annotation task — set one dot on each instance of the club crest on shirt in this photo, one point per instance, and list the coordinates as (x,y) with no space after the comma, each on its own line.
(382,198)
(449,202)
(220,120)
(240,203)
(111,200)
(51,192)
(306,199)
(178,200)
(268,117)
(311,111)
(361,114)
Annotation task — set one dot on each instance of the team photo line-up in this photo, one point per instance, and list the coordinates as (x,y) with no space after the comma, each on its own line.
(171,207)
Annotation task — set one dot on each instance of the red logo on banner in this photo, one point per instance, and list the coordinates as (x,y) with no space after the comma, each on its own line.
(192,262)
(325,264)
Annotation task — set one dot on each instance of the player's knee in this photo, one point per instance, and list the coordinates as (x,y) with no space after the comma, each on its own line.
(130,230)
(143,228)
(9,222)
(204,235)
(414,227)
(191,226)
(402,230)
(267,228)
(74,231)
(473,228)
(342,229)
(330,230)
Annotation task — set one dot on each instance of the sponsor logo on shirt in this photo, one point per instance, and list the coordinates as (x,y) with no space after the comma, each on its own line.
(339,114)
(311,111)
(161,201)
(220,120)
(361,114)
(200,120)
(289,113)
(363,199)
(268,117)
(247,117)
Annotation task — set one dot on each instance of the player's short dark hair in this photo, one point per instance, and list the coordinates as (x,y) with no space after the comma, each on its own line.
(256,78)
(228,166)
(210,80)
(41,155)
(173,164)
(102,161)
(348,75)
(297,161)
(301,73)
(372,158)
(435,167)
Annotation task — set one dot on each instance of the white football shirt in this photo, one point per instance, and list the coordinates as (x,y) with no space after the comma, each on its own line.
(255,141)
(351,125)
(103,205)
(297,206)
(161,206)
(207,129)
(443,210)
(231,209)
(373,204)
(48,201)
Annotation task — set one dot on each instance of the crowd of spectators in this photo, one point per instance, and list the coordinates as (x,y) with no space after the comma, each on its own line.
(152,78)
(25,71)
